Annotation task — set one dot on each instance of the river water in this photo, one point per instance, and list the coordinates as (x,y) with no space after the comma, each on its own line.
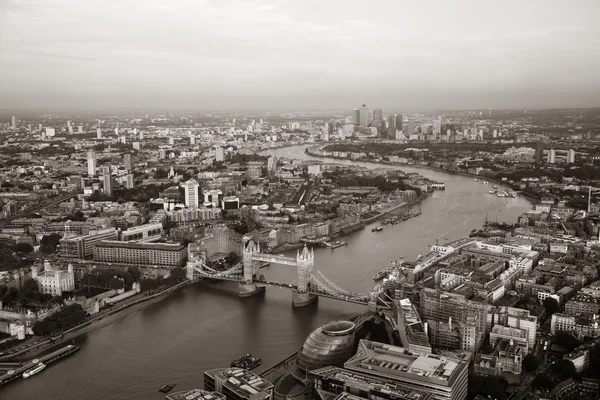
(206,326)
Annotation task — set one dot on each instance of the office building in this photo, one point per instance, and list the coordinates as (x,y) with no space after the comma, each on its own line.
(192,193)
(398,121)
(377,117)
(99,133)
(141,253)
(219,154)
(551,156)
(52,281)
(409,128)
(80,129)
(238,384)
(437,126)
(130,183)
(142,233)
(518,319)
(213,197)
(127,162)
(356,116)
(329,345)
(442,377)
(107,180)
(69,127)
(411,330)
(230,203)
(14,122)
(91,162)
(82,246)
(331,381)
(364,116)
(539,152)
(570,156)
(462,322)
(195,394)
(137,146)
(192,140)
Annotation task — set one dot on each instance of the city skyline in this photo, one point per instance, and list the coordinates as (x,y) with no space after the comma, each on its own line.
(278,54)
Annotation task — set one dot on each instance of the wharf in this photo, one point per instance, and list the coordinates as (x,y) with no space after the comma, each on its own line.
(47,359)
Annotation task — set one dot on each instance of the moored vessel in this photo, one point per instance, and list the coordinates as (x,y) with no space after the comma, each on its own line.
(38,368)
(246,362)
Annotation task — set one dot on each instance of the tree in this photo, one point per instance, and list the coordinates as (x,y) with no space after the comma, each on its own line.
(550,305)
(49,243)
(530,362)
(161,174)
(232,259)
(65,318)
(135,273)
(116,283)
(178,274)
(23,248)
(566,368)
(58,299)
(567,340)
(543,381)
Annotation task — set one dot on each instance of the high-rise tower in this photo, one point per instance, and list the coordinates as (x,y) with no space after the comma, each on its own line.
(91,162)
(192,193)
(364,116)
(107,178)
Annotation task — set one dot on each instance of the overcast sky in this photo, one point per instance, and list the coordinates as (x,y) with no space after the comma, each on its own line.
(299,54)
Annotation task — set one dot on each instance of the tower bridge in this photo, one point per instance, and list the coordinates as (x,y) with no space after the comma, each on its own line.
(309,285)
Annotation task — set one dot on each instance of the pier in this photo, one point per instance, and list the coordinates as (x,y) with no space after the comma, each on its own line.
(47,359)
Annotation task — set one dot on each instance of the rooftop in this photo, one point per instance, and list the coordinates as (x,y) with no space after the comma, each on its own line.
(195,394)
(243,382)
(354,379)
(141,246)
(389,360)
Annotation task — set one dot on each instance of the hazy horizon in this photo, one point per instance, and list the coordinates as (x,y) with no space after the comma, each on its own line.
(309,55)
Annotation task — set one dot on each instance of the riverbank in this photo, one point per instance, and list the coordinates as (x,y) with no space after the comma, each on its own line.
(97,321)
(528,196)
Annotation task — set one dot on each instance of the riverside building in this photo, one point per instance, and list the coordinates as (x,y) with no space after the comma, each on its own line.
(143,254)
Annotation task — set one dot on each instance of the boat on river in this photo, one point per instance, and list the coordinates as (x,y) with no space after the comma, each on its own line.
(39,368)
(246,362)
(378,229)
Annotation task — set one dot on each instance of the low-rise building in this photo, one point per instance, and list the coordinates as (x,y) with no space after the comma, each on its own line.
(142,254)
(54,281)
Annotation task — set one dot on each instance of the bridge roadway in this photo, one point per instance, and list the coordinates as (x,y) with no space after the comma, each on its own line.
(274,259)
(238,279)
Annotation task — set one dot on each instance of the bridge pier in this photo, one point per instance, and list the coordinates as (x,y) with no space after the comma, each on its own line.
(301,299)
(249,289)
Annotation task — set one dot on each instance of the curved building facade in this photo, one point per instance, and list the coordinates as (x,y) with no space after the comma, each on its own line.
(331,344)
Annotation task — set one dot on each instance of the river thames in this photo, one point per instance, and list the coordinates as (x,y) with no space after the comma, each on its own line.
(207,326)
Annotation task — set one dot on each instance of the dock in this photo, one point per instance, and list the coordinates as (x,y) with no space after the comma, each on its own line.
(47,359)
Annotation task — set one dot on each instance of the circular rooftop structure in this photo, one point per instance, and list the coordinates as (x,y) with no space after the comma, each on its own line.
(331,344)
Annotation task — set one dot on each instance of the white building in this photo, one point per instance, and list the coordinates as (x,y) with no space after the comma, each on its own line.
(54,282)
(219,154)
(192,193)
(91,162)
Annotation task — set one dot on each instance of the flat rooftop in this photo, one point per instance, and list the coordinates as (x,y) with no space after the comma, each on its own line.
(367,383)
(195,394)
(141,245)
(374,357)
(243,382)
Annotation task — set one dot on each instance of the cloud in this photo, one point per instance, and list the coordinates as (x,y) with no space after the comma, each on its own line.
(279,49)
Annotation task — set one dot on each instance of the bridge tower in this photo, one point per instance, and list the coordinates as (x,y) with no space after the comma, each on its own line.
(251,268)
(305,264)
